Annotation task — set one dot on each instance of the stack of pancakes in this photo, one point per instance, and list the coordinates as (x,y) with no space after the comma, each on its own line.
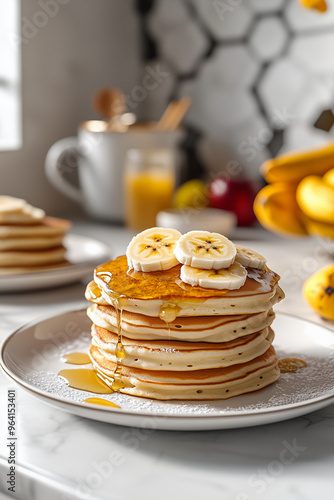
(29,240)
(166,339)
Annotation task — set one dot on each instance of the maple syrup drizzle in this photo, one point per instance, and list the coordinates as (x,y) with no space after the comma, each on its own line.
(168,312)
(291,365)
(114,276)
(100,401)
(77,358)
(119,349)
(93,292)
(116,300)
(85,380)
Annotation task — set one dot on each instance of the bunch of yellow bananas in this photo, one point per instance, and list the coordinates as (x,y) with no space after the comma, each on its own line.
(299,199)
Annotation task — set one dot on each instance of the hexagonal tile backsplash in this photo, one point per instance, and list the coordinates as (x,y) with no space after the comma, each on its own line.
(260,74)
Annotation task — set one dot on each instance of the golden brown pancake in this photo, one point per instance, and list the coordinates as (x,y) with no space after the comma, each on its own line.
(152,293)
(220,383)
(185,356)
(187,329)
(27,258)
(29,241)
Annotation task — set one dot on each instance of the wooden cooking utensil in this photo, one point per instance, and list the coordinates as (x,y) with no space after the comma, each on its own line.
(174,114)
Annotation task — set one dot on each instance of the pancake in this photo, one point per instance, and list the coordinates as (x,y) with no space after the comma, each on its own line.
(151,293)
(29,240)
(187,356)
(8,271)
(31,243)
(218,383)
(155,336)
(47,227)
(188,329)
(16,258)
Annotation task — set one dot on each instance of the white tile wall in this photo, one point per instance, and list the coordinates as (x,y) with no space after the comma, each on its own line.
(182,45)
(271,66)
(315,52)
(264,6)
(268,38)
(225,20)
(230,67)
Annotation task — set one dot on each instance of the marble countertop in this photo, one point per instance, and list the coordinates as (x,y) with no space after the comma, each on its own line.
(63,457)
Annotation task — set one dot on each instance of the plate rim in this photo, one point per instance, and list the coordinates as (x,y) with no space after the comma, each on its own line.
(52,400)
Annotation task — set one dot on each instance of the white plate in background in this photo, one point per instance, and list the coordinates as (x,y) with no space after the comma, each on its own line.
(83,254)
(32,357)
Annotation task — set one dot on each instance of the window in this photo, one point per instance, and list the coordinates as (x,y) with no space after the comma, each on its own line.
(10,75)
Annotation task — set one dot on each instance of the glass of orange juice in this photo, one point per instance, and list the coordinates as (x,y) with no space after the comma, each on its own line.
(149,181)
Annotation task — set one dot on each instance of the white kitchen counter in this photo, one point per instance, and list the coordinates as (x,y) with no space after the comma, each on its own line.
(61,456)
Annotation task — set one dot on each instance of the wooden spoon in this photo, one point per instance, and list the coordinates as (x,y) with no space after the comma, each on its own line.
(174,114)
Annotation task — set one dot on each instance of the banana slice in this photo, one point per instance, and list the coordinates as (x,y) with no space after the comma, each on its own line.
(152,250)
(205,250)
(9,204)
(249,258)
(230,279)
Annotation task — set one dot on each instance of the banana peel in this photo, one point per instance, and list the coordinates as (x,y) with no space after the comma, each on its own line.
(294,166)
(318,290)
(276,208)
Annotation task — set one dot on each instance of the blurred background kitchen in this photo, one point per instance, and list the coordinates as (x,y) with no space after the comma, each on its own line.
(259,73)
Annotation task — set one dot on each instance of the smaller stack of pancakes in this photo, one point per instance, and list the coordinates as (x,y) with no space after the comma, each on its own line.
(155,336)
(29,240)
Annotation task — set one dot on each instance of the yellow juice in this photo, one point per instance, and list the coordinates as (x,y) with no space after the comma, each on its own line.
(146,194)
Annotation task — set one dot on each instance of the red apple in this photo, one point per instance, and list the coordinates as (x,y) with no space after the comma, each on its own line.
(236,195)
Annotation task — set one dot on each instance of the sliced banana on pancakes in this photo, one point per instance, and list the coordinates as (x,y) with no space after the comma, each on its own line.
(17,211)
(153,250)
(9,204)
(249,258)
(204,250)
(230,279)
(210,260)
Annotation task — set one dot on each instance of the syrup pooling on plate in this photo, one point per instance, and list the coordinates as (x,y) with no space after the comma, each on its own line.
(100,401)
(85,380)
(77,358)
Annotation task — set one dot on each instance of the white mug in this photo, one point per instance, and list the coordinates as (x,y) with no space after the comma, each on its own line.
(99,156)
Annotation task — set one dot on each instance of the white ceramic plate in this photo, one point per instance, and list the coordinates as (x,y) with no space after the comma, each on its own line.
(32,357)
(83,254)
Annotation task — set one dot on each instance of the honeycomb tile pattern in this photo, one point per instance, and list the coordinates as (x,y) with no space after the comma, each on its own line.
(180,40)
(265,6)
(242,67)
(268,38)
(260,74)
(225,20)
